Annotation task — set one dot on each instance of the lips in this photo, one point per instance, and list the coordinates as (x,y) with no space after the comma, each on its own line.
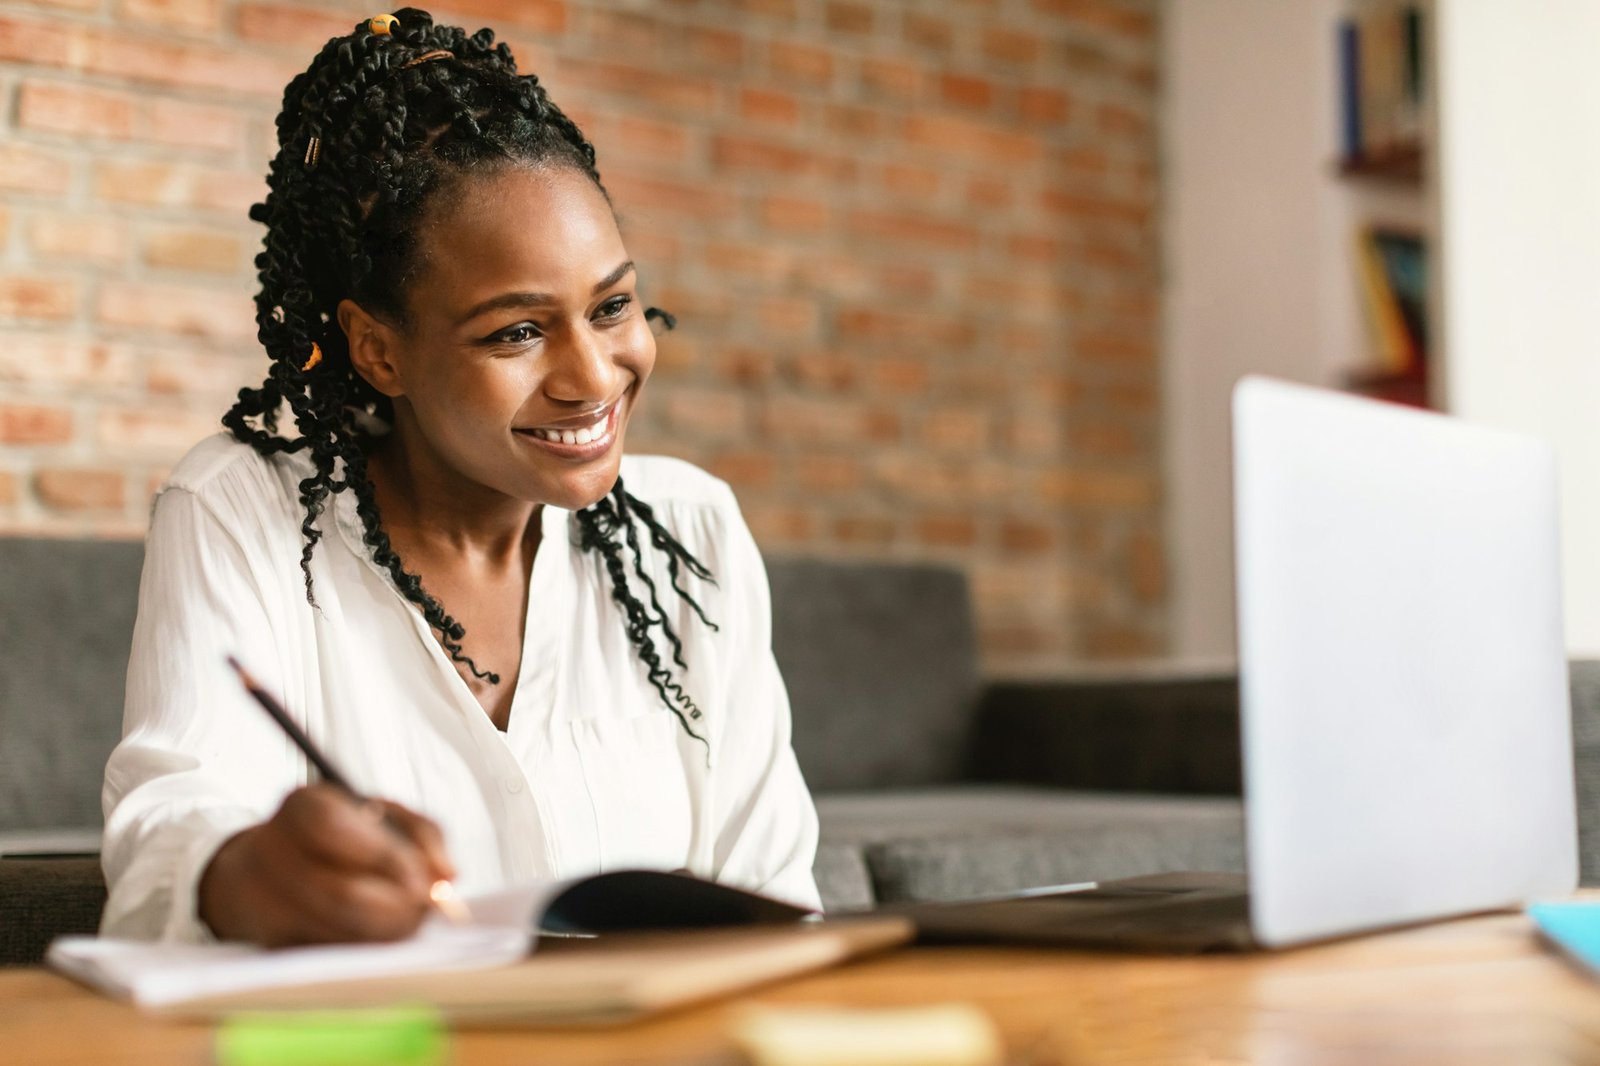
(584,437)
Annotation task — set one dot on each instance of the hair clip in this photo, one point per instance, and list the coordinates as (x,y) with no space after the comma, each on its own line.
(437,53)
(316,357)
(313,150)
(382,25)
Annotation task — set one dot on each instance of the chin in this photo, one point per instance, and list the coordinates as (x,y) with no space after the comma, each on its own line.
(583,488)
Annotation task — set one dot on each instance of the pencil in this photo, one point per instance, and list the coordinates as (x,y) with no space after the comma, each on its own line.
(442,893)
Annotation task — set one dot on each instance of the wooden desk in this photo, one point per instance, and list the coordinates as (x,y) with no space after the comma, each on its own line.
(1479,990)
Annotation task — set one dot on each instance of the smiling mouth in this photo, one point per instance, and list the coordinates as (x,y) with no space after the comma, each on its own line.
(583,440)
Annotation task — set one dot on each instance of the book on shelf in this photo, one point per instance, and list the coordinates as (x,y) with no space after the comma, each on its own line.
(626,943)
(1382,90)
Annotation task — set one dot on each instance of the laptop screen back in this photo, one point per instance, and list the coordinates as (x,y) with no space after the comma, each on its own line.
(1405,709)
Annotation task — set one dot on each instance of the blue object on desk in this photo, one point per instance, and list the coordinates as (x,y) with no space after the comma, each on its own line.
(1573,927)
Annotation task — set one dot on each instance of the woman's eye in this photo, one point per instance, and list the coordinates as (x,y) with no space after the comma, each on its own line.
(614,308)
(521,333)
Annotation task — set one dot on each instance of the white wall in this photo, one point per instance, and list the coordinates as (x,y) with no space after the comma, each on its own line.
(1519,134)
(1258,231)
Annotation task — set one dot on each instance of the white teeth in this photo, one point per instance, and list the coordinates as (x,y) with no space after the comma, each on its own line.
(585,435)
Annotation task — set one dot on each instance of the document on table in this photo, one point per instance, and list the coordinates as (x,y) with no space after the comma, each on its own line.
(504,928)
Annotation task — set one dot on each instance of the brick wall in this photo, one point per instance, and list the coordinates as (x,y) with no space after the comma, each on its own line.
(912,245)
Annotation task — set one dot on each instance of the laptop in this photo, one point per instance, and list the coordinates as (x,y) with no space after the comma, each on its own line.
(1405,712)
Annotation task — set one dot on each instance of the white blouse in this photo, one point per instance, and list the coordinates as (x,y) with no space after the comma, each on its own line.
(593,772)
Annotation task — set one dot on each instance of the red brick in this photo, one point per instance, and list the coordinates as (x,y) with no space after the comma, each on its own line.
(8,488)
(962,430)
(306,28)
(639,86)
(153,431)
(795,214)
(1024,537)
(947,530)
(864,529)
(187,125)
(34,424)
(5,225)
(761,105)
(824,371)
(216,314)
(80,238)
(1115,640)
(900,376)
(1061,202)
(1147,568)
(80,488)
(801,64)
(546,16)
(782,10)
(1121,121)
(964,90)
(989,193)
(1105,14)
(1049,106)
(1102,439)
(969,139)
(868,323)
(55,107)
(893,79)
(928,32)
(850,120)
(153,184)
(208,251)
(747,367)
(768,157)
(1010,46)
(1109,348)
(50,359)
(745,469)
(32,170)
(673,199)
(915,228)
(779,525)
(902,279)
(844,16)
(789,317)
(722,51)
(1098,488)
(37,296)
(906,179)
(829,474)
(713,414)
(210,377)
(195,16)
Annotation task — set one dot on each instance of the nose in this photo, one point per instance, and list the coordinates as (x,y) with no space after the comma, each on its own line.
(582,367)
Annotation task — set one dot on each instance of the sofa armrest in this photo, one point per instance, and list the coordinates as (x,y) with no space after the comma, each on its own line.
(41,899)
(1175,735)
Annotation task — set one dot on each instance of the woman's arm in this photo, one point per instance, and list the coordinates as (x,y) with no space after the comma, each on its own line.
(199,838)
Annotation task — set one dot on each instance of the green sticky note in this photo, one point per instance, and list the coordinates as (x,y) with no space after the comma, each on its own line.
(401,1036)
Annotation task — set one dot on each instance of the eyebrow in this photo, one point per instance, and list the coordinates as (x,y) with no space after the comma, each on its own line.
(541,299)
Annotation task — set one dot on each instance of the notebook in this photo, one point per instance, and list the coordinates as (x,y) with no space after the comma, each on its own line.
(619,958)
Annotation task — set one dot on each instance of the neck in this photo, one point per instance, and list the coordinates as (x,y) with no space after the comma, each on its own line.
(434,508)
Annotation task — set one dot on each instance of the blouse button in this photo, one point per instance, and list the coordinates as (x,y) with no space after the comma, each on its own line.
(513,784)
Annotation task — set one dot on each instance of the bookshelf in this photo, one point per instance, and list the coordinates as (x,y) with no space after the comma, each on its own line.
(1385,124)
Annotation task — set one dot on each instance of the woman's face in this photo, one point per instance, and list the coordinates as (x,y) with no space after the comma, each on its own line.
(526,344)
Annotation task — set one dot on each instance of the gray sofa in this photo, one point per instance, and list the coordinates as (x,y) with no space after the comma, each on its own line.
(930,782)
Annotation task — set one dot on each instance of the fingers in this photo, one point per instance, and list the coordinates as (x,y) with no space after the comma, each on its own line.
(358,837)
(424,834)
(329,868)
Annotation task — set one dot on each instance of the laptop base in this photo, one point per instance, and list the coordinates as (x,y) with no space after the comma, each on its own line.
(1183,912)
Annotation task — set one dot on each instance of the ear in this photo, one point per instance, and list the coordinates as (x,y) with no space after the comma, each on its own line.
(373,348)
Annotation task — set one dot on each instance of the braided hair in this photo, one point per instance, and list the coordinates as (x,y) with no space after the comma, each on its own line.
(383,120)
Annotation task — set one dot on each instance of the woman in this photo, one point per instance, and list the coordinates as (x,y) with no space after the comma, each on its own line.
(420,532)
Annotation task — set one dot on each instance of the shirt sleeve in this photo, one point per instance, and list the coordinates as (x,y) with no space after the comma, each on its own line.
(766,821)
(197,762)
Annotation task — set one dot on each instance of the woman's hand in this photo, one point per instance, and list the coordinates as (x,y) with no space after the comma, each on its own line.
(325,868)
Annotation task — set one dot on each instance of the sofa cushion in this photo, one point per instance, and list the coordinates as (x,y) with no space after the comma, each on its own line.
(956,843)
(881,668)
(842,877)
(66,630)
(43,899)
